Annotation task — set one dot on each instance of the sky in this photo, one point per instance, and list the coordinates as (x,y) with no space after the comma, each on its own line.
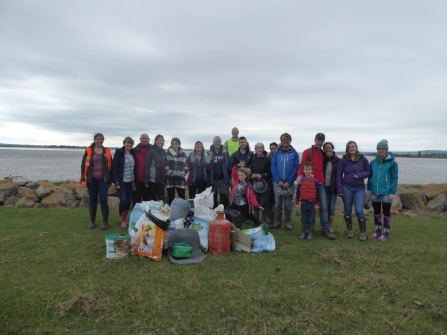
(354,70)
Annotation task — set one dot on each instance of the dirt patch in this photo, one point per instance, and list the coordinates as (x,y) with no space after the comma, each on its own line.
(84,304)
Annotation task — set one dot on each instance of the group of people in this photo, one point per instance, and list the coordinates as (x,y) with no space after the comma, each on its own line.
(258,184)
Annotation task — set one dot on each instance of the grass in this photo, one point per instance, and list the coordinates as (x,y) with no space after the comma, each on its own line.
(54,278)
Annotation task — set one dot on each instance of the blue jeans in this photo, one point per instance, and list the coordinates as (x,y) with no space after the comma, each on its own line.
(95,188)
(279,200)
(354,196)
(308,212)
(125,195)
(321,197)
(331,199)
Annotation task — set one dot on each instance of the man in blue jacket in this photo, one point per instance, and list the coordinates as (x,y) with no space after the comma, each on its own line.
(284,167)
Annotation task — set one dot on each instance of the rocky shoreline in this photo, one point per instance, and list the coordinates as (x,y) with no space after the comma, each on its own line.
(16,191)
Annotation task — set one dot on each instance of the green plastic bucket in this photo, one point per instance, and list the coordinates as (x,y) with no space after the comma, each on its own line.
(117,245)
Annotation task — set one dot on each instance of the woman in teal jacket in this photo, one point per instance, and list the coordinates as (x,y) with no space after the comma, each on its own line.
(382,187)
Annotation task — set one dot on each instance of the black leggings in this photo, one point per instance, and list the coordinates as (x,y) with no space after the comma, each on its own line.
(379,206)
(171,193)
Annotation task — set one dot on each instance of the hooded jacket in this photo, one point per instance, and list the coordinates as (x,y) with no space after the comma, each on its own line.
(262,165)
(317,161)
(334,159)
(238,157)
(347,169)
(218,160)
(178,168)
(158,156)
(249,193)
(285,165)
(383,179)
(192,161)
(118,166)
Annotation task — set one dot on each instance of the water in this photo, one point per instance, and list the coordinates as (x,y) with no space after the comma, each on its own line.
(65,164)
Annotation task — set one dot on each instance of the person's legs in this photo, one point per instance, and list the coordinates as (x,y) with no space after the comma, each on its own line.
(201,185)
(321,197)
(359,202)
(192,191)
(180,192)
(311,221)
(348,196)
(160,192)
(215,192)
(171,194)
(224,192)
(103,191)
(304,218)
(278,208)
(288,209)
(377,219)
(138,194)
(93,202)
(152,191)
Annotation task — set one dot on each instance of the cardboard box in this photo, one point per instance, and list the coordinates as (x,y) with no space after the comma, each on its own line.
(240,240)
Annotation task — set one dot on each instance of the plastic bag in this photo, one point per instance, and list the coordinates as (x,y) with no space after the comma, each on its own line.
(202,227)
(151,205)
(262,239)
(135,215)
(205,198)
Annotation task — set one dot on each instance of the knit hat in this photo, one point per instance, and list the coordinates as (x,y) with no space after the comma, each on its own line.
(198,144)
(383,144)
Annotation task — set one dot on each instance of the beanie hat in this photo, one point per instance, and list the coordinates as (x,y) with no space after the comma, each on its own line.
(383,144)
(198,144)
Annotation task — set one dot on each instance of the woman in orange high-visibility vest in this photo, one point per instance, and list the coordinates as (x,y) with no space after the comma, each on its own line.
(95,174)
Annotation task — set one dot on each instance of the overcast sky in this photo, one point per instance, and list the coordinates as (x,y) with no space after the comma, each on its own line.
(360,70)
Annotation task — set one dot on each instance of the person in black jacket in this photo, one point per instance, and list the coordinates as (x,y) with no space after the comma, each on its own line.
(124,170)
(242,157)
(261,169)
(155,170)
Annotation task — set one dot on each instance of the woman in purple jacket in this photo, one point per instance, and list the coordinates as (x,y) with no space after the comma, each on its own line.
(352,171)
(330,160)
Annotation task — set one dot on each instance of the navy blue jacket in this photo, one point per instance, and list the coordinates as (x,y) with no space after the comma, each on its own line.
(118,166)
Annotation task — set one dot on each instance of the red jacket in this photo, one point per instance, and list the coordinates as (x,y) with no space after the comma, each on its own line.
(140,155)
(249,194)
(308,190)
(317,161)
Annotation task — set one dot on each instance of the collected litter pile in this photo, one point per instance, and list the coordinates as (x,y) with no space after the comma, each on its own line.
(188,229)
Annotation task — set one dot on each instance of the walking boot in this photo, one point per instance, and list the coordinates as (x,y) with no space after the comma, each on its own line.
(311,231)
(303,231)
(348,221)
(105,219)
(330,220)
(362,226)
(271,217)
(378,225)
(288,219)
(264,216)
(92,218)
(386,227)
(277,223)
(123,219)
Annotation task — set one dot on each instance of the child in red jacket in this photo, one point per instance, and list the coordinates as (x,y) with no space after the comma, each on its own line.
(307,193)
(242,196)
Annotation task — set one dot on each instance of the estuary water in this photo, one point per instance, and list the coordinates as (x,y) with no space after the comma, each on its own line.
(65,164)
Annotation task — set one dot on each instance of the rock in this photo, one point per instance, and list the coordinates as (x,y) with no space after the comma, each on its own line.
(410,214)
(25,203)
(80,191)
(11,201)
(7,189)
(19,180)
(45,189)
(32,185)
(70,186)
(433,190)
(397,203)
(75,204)
(412,198)
(85,201)
(112,191)
(113,202)
(27,193)
(438,204)
(59,199)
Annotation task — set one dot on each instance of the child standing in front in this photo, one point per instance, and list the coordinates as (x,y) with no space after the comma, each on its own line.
(242,196)
(307,193)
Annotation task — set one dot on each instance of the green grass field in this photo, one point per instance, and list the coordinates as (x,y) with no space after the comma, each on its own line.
(55,279)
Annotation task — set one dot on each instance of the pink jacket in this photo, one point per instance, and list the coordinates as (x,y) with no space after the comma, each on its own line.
(249,194)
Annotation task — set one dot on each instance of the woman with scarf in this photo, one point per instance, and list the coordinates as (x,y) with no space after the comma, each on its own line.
(198,174)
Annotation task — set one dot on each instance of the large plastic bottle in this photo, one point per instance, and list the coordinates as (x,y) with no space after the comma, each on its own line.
(219,235)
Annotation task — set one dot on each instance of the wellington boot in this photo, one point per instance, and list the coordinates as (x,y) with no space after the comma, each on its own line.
(123,217)
(256,213)
(92,218)
(105,219)
(277,223)
(378,225)
(288,215)
(311,231)
(386,227)
(330,220)
(303,231)
(362,226)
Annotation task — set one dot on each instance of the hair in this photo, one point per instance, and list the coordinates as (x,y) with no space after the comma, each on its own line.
(128,139)
(357,153)
(273,143)
(216,138)
(259,145)
(308,164)
(94,138)
(287,135)
(245,171)
(176,139)
(330,143)
(326,158)
(157,137)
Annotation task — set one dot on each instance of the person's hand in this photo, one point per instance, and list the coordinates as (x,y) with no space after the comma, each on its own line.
(84,183)
(298,180)
(117,187)
(391,196)
(286,185)
(242,163)
(261,208)
(281,184)
(297,203)
(368,194)
(146,185)
(340,195)
(317,207)
(356,177)
(166,168)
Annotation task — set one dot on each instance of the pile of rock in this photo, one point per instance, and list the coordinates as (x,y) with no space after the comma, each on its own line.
(17,191)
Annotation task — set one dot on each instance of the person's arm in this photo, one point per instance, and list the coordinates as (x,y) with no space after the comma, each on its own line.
(252,199)
(293,173)
(366,169)
(339,180)
(393,178)
(273,168)
(185,167)
(83,182)
(304,158)
(116,162)
(147,168)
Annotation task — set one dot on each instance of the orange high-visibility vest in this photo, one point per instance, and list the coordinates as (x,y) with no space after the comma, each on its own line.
(88,158)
